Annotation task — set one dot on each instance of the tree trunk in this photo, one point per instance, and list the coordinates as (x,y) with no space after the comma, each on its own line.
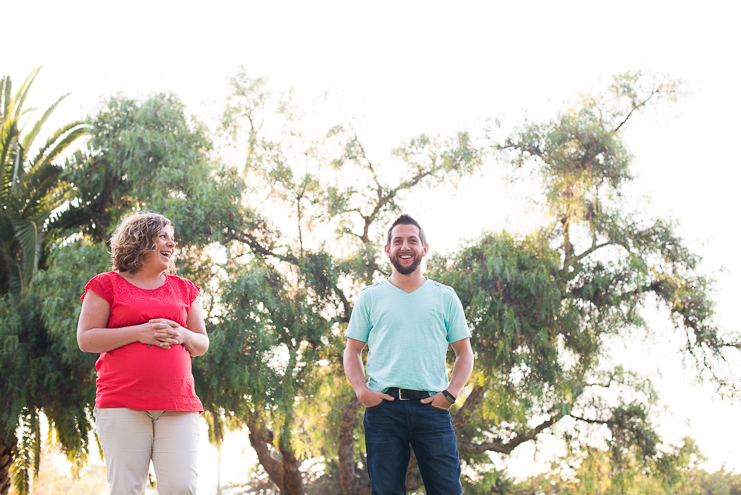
(348,479)
(567,248)
(6,460)
(293,484)
(284,472)
(272,466)
(463,415)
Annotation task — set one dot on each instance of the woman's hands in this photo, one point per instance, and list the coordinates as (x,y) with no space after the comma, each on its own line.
(194,338)
(167,333)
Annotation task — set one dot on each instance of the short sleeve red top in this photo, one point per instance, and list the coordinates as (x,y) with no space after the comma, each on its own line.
(137,376)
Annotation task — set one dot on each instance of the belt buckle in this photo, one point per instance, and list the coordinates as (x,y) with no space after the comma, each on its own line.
(402,398)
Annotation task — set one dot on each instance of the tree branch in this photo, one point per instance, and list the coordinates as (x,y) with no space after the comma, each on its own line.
(507,447)
(607,422)
(589,251)
(635,107)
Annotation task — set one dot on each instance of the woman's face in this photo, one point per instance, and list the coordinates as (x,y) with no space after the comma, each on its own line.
(165,249)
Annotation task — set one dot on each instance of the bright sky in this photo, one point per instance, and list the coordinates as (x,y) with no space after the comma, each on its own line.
(403,68)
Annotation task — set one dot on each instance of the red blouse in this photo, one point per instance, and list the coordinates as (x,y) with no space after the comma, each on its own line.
(138,376)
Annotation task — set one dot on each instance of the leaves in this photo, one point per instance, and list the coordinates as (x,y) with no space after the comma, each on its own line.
(282,241)
(29,190)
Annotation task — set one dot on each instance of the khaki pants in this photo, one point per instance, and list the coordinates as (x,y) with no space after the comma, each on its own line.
(131,438)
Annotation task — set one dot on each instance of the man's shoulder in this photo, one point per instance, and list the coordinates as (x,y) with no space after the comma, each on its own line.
(371,288)
(443,287)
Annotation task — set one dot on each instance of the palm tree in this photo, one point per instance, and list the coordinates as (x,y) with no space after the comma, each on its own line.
(30,192)
(30,189)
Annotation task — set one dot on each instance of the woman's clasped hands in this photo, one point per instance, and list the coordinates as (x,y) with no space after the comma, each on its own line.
(166,333)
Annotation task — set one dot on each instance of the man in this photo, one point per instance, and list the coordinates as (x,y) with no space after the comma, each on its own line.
(408,322)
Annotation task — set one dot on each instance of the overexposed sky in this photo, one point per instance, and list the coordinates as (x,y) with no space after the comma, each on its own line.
(403,68)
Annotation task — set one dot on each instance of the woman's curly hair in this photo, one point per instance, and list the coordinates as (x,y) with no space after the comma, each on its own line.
(135,239)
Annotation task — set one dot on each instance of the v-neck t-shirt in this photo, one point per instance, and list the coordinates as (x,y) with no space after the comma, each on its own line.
(407,334)
(138,376)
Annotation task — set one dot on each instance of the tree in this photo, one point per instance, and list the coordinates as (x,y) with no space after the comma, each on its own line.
(588,470)
(542,305)
(546,306)
(282,244)
(30,191)
(275,360)
(141,155)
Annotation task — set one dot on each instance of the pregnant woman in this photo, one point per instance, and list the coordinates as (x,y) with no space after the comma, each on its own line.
(146,324)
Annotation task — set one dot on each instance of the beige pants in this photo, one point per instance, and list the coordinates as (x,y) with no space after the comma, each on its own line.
(131,438)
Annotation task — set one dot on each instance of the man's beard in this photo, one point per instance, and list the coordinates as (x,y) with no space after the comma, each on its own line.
(406,270)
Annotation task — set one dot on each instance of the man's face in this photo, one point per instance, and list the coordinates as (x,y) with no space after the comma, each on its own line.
(406,250)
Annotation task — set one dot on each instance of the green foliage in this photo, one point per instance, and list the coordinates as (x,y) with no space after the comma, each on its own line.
(71,266)
(36,378)
(513,296)
(275,356)
(142,155)
(150,155)
(30,187)
(54,478)
(588,470)
(544,306)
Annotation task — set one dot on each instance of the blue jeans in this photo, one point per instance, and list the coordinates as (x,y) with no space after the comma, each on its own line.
(390,428)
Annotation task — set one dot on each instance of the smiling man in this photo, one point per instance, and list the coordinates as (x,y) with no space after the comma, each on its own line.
(408,322)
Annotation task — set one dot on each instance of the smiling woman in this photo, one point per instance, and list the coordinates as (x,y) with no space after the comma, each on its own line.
(137,239)
(146,324)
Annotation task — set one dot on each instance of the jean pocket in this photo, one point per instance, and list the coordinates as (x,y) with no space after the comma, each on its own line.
(439,408)
(371,408)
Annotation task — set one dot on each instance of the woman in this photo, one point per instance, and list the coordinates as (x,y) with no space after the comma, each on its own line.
(146,325)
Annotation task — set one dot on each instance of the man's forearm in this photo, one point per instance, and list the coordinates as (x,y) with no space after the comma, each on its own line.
(354,371)
(461,372)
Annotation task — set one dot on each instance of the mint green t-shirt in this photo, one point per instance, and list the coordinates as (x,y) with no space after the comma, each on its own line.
(407,334)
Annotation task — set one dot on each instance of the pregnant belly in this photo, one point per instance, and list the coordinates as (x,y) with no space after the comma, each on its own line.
(141,371)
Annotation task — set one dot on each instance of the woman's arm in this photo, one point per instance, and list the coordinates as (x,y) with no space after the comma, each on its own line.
(197,339)
(93,336)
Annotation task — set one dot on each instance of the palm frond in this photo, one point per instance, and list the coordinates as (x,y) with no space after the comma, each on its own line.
(2,97)
(28,139)
(72,217)
(8,137)
(29,194)
(38,184)
(18,168)
(28,452)
(36,444)
(6,95)
(72,131)
(30,236)
(25,87)
(14,272)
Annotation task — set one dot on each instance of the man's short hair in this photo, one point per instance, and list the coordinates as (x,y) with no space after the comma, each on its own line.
(405,219)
